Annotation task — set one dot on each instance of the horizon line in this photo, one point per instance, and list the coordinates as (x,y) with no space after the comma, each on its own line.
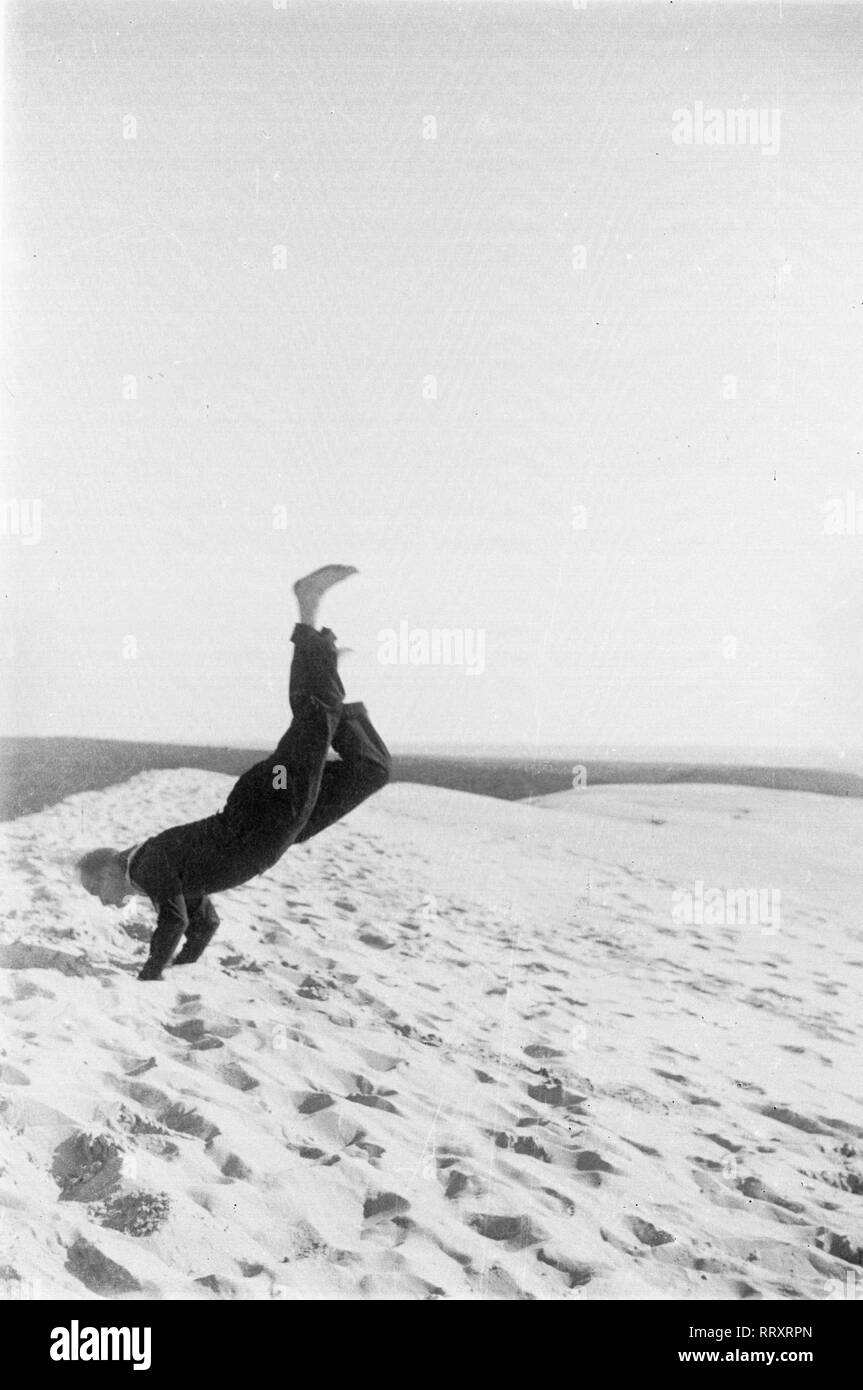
(431,748)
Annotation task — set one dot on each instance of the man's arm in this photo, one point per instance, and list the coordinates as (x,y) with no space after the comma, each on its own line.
(173,922)
(203,922)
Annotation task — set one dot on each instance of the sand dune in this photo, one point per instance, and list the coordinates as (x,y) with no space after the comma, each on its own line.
(455,1047)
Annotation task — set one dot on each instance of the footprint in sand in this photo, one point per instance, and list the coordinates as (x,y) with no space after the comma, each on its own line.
(675,1076)
(184,1120)
(11,1076)
(314,1155)
(172,1114)
(379,1061)
(195,1034)
(575,1274)
(839,1246)
(235,1075)
(516,1232)
(239,962)
(407,1030)
(456,1183)
(647,1149)
(134,1213)
(376,939)
(373,1152)
(216,1285)
(441,1164)
(148,1134)
(192,1028)
(385,1204)
(588,1161)
(724,1143)
(745,1291)
(521,1144)
(843,1126)
(234,1167)
(137,1068)
(540,1052)
(377,1098)
(313,1101)
(385,1217)
(553,1092)
(846,1178)
(203,1031)
(312,988)
(20,955)
(97,1272)
(757,1191)
(496,1282)
(186,1003)
(647,1233)
(564,1202)
(28,989)
(144,1094)
(784,1116)
(376,1101)
(87,1167)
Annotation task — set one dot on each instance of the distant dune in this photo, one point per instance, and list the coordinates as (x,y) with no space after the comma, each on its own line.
(453,1048)
(518,779)
(37,772)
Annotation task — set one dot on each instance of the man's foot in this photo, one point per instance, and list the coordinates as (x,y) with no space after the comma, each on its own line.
(312,587)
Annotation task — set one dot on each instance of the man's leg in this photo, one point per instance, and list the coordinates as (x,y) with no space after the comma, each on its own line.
(316,696)
(281,791)
(363,768)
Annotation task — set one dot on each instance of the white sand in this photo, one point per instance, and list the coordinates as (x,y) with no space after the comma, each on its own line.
(454,1047)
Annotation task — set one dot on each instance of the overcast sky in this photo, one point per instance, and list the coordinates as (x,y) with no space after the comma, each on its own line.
(435,290)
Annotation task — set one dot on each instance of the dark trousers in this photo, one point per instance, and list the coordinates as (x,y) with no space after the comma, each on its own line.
(296,792)
(333,787)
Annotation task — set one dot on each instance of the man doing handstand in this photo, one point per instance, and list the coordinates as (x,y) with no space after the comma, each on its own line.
(283,800)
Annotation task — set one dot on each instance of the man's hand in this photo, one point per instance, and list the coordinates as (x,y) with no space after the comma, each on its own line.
(151,971)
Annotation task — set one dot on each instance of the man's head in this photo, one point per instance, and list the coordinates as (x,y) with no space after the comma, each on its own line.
(103,873)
